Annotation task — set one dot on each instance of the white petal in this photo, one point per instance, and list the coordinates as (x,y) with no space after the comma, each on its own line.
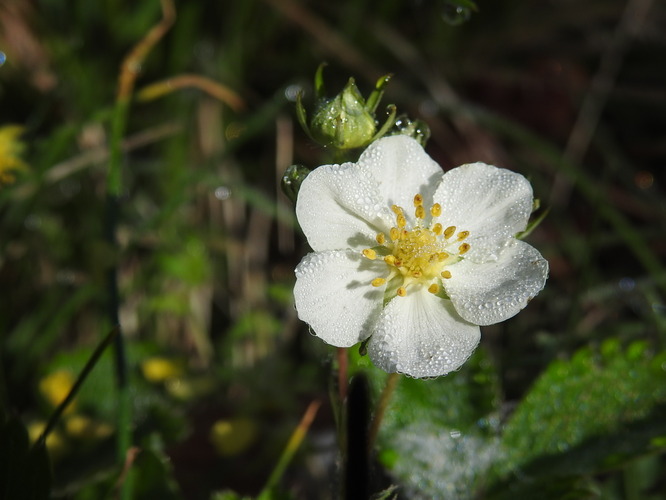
(339,206)
(345,206)
(494,291)
(421,335)
(491,203)
(402,169)
(334,296)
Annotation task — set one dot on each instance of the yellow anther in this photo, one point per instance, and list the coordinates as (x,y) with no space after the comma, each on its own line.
(401,221)
(434,288)
(401,292)
(378,282)
(369,253)
(446,274)
(390,260)
(418,200)
(420,212)
(394,233)
(396,209)
(463,248)
(417,273)
(448,232)
(462,235)
(381,239)
(442,256)
(437,229)
(436,210)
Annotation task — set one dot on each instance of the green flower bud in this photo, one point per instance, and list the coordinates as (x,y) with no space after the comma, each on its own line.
(344,122)
(348,120)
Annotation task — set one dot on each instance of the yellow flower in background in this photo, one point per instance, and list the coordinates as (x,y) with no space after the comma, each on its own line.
(85,428)
(55,441)
(55,387)
(234,436)
(159,369)
(11,149)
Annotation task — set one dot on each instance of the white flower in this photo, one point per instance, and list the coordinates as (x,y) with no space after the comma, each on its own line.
(413,258)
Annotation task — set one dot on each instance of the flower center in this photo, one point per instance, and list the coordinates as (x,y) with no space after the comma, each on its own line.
(419,254)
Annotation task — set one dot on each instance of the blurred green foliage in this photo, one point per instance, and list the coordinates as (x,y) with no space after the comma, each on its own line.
(566,400)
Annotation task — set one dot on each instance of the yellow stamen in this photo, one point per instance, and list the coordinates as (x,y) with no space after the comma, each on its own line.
(396,209)
(418,200)
(448,232)
(390,260)
(401,292)
(437,229)
(436,210)
(381,239)
(462,235)
(401,221)
(420,212)
(446,274)
(369,253)
(394,234)
(463,248)
(378,282)
(442,256)
(434,288)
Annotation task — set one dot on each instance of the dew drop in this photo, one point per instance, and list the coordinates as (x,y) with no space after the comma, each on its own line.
(292,91)
(3,58)
(222,193)
(455,15)
(626,284)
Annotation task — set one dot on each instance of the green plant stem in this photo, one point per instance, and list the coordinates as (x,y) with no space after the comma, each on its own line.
(289,450)
(97,353)
(114,185)
(384,399)
(126,82)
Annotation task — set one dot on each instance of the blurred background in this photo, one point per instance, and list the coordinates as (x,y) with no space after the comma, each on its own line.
(567,399)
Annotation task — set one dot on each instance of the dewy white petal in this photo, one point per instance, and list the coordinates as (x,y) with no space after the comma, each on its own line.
(422,335)
(488,293)
(402,169)
(491,203)
(339,206)
(333,295)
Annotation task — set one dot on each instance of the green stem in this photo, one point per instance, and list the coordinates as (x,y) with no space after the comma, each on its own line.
(118,126)
(114,184)
(384,399)
(294,442)
(55,416)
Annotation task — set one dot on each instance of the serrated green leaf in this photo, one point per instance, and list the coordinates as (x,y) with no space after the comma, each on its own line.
(593,394)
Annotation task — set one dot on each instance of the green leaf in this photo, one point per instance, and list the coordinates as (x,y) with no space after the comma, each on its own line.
(555,474)
(592,395)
